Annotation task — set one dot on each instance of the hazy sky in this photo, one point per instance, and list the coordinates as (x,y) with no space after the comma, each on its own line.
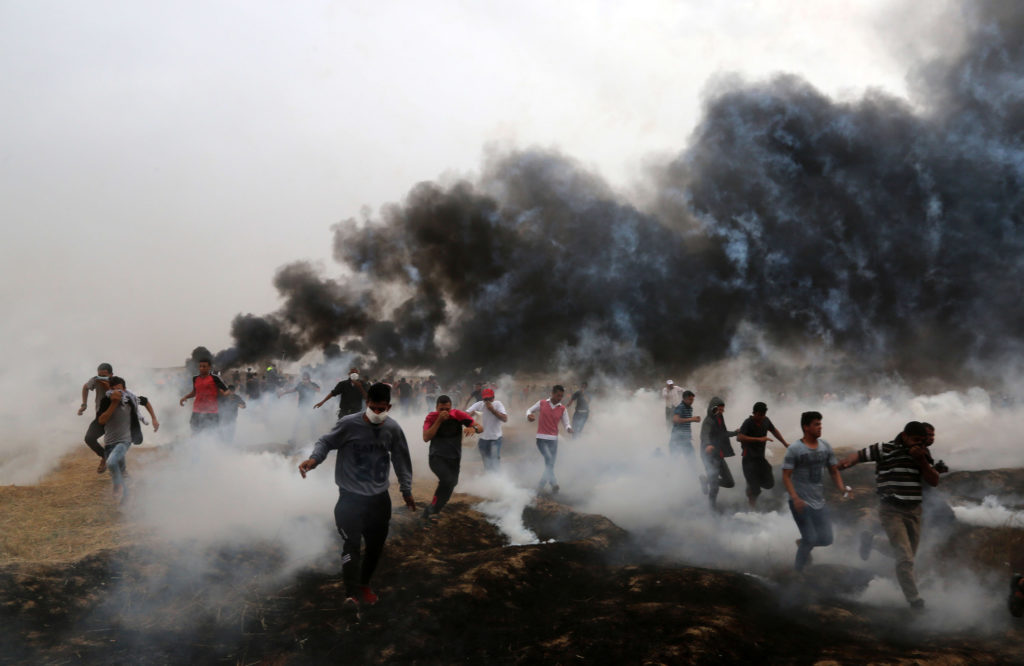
(160,160)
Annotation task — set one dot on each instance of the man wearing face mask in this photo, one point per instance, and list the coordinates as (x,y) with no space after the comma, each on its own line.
(444,428)
(367,443)
(352,392)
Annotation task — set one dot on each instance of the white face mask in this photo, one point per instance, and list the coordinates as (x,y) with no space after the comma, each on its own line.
(375,418)
(354,376)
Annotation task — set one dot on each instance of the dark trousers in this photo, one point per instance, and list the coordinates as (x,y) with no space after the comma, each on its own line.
(758,474)
(447,472)
(719,474)
(549,449)
(681,445)
(815,527)
(202,422)
(92,438)
(579,419)
(361,518)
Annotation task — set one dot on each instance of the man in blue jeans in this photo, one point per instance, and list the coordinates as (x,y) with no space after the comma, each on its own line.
(803,472)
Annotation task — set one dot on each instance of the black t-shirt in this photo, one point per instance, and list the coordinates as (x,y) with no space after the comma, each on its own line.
(404,390)
(582,402)
(752,429)
(351,399)
(306,392)
(228,408)
(447,442)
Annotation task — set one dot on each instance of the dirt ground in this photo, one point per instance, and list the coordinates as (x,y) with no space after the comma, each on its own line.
(80,584)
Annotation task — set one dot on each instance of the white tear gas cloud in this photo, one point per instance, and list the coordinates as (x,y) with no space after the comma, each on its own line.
(990,513)
(885,235)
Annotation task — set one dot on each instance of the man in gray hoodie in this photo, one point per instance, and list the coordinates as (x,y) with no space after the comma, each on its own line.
(715,448)
(367,443)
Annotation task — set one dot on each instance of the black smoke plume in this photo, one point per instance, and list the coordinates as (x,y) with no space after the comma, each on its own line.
(885,234)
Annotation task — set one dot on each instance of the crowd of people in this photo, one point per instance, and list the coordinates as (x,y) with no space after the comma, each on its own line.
(368,443)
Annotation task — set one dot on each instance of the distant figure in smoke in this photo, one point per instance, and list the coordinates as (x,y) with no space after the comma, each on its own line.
(100,384)
(680,441)
(351,394)
(754,438)
(119,417)
(715,448)
(444,428)
(228,410)
(307,389)
(672,395)
(901,469)
(803,472)
(582,413)
(1015,601)
(366,444)
(206,389)
(431,389)
(476,395)
(405,393)
(494,415)
(552,413)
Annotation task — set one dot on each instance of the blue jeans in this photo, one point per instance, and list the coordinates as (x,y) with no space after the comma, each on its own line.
(579,419)
(549,449)
(115,462)
(815,527)
(490,452)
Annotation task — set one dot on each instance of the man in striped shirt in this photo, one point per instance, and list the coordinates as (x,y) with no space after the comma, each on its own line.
(901,466)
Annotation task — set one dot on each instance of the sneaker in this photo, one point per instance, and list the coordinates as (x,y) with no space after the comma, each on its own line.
(1016,600)
(704,484)
(367,596)
(867,540)
(102,467)
(350,609)
(917,604)
(429,517)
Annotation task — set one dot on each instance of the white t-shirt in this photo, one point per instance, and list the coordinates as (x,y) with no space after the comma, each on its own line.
(673,396)
(492,424)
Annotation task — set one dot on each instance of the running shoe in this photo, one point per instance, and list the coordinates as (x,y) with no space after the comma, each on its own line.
(350,609)
(367,596)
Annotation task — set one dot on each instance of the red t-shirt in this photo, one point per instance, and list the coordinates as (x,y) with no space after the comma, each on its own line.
(207,390)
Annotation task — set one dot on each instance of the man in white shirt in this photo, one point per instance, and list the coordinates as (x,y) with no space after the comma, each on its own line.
(672,395)
(494,415)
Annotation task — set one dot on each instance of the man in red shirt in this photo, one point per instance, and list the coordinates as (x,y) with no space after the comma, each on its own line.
(444,428)
(206,389)
(552,414)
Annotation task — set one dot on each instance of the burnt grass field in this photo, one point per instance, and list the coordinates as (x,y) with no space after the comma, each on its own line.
(456,593)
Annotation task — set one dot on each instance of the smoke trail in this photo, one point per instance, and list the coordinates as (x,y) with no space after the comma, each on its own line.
(874,237)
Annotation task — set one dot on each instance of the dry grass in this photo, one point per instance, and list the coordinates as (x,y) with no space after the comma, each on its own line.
(69,514)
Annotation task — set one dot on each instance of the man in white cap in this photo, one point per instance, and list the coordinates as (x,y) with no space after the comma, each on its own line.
(673,395)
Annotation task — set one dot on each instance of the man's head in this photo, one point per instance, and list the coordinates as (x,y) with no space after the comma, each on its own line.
(116,384)
(104,370)
(204,367)
(810,422)
(914,433)
(929,437)
(669,384)
(688,397)
(583,386)
(487,395)
(557,393)
(759,411)
(378,401)
(444,403)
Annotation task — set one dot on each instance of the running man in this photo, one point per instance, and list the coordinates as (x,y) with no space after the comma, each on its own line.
(552,413)
(672,395)
(228,413)
(902,467)
(119,417)
(443,428)
(206,389)
(307,390)
(715,448)
(582,413)
(351,394)
(493,415)
(366,444)
(100,384)
(681,439)
(803,472)
(754,438)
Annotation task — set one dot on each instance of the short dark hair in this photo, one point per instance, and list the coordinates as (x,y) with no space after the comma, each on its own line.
(379,393)
(557,387)
(809,417)
(231,387)
(760,408)
(441,399)
(105,366)
(205,360)
(688,394)
(915,429)
(928,426)
(117,380)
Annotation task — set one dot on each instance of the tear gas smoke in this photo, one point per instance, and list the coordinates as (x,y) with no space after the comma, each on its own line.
(874,236)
